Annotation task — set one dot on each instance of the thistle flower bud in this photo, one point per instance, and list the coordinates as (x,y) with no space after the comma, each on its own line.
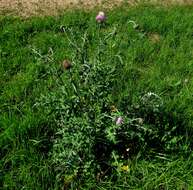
(66,65)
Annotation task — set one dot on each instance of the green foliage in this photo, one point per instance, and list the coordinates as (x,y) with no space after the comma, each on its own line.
(58,126)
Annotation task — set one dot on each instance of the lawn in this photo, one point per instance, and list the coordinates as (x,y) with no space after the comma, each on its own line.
(87,105)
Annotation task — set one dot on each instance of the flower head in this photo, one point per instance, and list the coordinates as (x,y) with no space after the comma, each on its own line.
(125,168)
(100,17)
(113,108)
(119,121)
(66,64)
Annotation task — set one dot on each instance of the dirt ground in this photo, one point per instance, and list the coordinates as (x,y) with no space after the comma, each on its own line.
(42,7)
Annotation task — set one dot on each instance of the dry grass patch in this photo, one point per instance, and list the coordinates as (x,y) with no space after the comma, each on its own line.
(50,7)
(154,37)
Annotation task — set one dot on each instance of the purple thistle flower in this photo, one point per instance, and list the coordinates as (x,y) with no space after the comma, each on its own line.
(119,121)
(100,17)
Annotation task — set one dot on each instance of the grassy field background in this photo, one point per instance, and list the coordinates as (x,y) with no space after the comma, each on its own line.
(58,125)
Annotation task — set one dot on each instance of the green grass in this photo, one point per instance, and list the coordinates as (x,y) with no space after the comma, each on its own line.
(57,128)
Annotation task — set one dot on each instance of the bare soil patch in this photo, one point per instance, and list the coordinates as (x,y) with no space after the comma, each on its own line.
(50,7)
